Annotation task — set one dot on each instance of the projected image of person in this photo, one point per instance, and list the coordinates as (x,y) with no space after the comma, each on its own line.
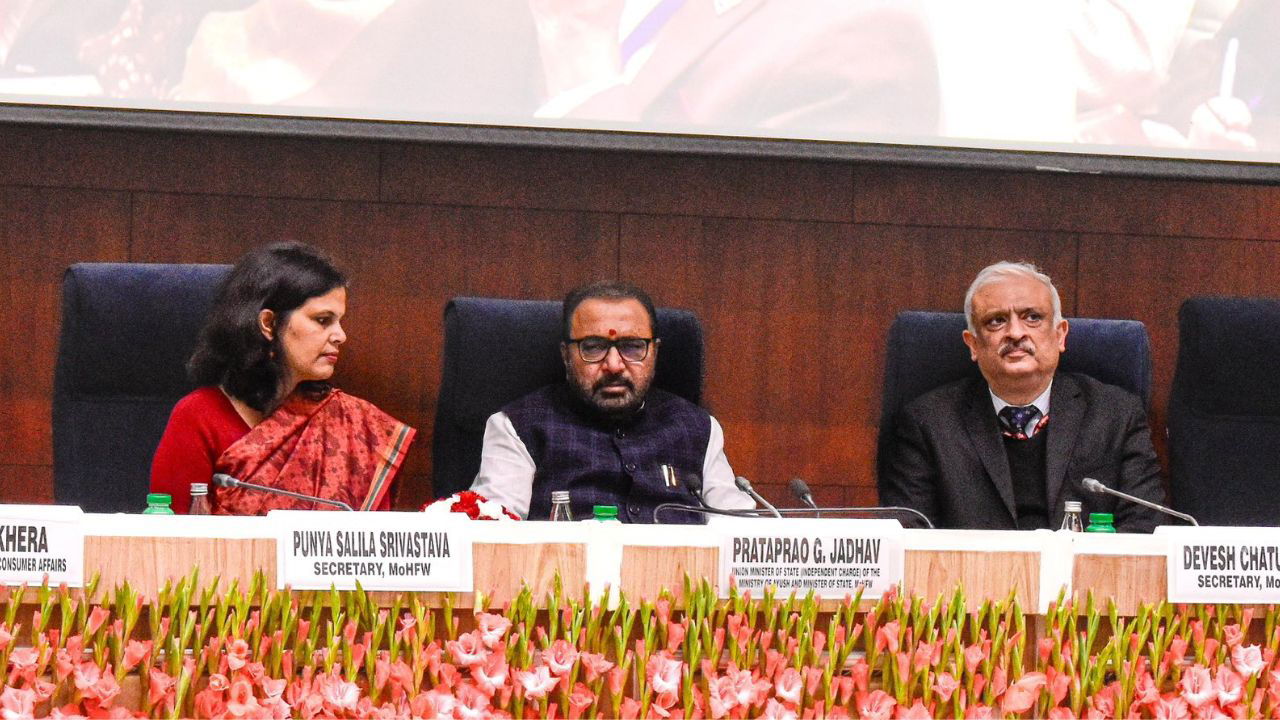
(265,411)
(825,65)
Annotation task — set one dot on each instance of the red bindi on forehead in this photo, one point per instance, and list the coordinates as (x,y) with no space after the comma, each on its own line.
(612,332)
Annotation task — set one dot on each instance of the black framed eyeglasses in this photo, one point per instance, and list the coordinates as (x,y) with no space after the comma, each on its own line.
(594,349)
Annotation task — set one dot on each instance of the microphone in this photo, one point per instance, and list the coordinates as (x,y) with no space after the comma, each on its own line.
(800,489)
(1096,486)
(704,510)
(223,480)
(745,486)
(693,481)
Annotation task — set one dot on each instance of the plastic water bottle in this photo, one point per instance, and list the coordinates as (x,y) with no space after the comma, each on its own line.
(1101,523)
(200,499)
(605,513)
(560,511)
(159,504)
(1071,516)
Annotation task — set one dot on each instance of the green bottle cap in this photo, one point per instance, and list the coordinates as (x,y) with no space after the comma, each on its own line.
(605,512)
(159,499)
(1101,519)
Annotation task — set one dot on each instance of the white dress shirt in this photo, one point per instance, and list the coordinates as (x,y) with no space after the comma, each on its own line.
(1041,403)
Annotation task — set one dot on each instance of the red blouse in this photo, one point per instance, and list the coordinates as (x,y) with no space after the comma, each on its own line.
(202,426)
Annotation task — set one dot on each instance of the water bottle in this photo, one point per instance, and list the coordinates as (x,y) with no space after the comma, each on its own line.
(200,499)
(1071,516)
(605,513)
(158,504)
(560,511)
(1101,523)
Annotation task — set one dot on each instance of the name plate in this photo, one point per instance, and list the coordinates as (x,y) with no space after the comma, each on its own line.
(41,540)
(380,550)
(1223,564)
(833,558)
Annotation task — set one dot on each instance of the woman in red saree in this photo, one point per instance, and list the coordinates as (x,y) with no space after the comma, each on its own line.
(265,412)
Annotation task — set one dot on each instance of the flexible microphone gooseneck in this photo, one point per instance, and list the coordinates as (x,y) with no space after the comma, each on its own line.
(1096,486)
(745,486)
(800,489)
(223,480)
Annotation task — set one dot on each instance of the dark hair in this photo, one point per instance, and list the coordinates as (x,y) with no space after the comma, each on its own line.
(231,351)
(606,290)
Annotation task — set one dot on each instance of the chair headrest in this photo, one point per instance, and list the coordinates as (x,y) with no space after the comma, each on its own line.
(128,329)
(1227,356)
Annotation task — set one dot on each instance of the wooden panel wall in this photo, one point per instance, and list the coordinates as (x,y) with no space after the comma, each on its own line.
(796,268)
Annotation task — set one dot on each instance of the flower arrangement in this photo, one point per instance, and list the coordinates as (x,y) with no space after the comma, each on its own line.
(473,505)
(256,652)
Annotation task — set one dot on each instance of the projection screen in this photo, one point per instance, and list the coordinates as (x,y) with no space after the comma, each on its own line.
(1087,85)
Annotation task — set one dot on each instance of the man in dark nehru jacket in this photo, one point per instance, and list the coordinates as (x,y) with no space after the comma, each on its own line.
(1005,452)
(604,434)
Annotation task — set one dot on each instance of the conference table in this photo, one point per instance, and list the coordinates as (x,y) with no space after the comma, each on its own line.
(148,551)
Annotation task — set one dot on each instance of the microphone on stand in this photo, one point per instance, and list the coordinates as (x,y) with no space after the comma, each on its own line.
(800,489)
(693,481)
(1096,486)
(745,486)
(223,480)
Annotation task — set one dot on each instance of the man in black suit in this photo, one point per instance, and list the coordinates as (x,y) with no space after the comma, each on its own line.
(1006,453)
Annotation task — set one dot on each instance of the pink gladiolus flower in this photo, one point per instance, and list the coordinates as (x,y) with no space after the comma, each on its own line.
(1044,646)
(401,678)
(241,702)
(973,655)
(978,711)
(97,616)
(1170,707)
(560,657)
(449,676)
(945,685)
(999,680)
(159,687)
(594,665)
(675,636)
(1145,691)
(134,652)
(887,637)
(1229,684)
(1197,686)
(237,654)
(17,704)
(273,688)
(630,709)
(876,706)
(579,700)
(1061,713)
(1247,660)
(788,686)
(219,682)
(427,705)
(472,703)
(1022,694)
(1232,635)
(468,650)
(6,637)
(491,674)
(337,693)
(927,655)
(209,703)
(86,674)
(615,679)
(663,673)
(916,712)
(492,627)
(1104,701)
(23,659)
(537,683)
(861,674)
(775,710)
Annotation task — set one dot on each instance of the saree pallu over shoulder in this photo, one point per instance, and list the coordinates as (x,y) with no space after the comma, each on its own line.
(337,447)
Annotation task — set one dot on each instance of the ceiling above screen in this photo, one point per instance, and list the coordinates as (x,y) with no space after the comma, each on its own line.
(1075,84)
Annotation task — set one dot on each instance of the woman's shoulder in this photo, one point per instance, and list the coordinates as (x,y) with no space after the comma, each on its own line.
(203,399)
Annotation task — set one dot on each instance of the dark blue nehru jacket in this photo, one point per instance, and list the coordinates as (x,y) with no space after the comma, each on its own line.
(611,463)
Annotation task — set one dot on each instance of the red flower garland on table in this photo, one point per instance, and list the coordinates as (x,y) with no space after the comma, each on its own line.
(474,505)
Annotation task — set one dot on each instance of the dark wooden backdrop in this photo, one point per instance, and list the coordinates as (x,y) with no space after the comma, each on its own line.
(796,267)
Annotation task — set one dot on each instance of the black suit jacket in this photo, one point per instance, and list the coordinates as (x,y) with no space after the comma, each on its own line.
(948,460)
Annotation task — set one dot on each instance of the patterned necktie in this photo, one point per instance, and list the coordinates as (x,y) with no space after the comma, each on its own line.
(1016,420)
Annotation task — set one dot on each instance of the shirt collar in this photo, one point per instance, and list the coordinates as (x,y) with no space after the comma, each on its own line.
(1041,403)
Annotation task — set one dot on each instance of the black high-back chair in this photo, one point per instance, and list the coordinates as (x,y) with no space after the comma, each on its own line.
(496,351)
(925,351)
(127,331)
(1224,411)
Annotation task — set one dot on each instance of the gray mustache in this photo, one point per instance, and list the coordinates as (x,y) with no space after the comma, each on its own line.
(1024,346)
